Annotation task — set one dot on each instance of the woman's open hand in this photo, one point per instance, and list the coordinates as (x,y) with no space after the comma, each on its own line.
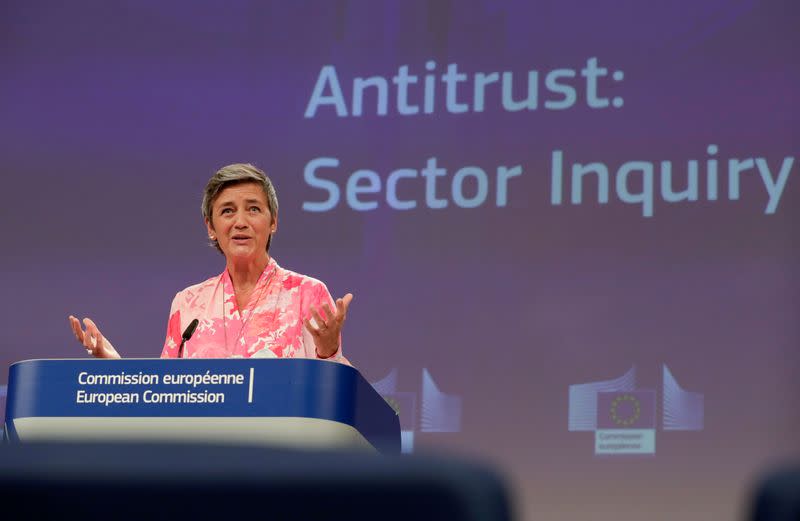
(91,338)
(326,331)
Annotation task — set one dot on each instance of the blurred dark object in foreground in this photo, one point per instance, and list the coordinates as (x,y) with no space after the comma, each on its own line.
(777,496)
(202,482)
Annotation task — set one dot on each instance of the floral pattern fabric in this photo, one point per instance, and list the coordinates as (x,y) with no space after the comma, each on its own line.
(271,325)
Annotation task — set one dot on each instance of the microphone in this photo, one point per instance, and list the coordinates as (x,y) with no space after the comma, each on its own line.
(187,334)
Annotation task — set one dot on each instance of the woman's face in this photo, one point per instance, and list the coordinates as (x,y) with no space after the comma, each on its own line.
(241,221)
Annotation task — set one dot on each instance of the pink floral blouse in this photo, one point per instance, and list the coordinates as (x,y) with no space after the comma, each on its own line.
(270,326)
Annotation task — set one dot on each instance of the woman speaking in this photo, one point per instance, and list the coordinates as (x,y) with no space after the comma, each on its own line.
(254,308)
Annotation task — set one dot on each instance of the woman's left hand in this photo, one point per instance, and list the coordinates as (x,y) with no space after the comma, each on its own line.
(327,330)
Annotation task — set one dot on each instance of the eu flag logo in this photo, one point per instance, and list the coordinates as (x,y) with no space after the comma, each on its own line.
(626,423)
(626,410)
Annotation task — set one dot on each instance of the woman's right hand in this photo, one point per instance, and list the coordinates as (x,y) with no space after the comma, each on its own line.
(91,338)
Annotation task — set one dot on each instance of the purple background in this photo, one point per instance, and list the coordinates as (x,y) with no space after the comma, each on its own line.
(113,115)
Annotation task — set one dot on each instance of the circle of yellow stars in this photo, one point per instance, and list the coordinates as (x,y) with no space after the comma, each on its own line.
(637,410)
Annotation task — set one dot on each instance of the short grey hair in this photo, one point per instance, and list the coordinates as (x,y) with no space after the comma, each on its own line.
(235,174)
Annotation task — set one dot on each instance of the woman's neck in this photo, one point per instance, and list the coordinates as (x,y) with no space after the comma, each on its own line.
(245,273)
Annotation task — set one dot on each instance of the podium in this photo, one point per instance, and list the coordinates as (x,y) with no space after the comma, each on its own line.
(210,439)
(287,403)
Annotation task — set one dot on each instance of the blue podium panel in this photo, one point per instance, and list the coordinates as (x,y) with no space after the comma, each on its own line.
(288,402)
